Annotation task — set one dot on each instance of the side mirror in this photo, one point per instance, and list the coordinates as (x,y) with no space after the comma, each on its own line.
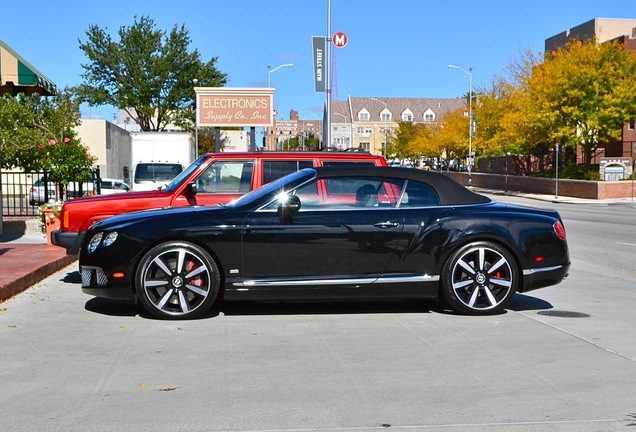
(287,208)
(191,190)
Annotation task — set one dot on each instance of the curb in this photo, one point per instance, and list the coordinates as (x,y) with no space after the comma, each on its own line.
(30,278)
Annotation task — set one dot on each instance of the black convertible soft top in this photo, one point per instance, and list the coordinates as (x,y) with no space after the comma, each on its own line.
(450,192)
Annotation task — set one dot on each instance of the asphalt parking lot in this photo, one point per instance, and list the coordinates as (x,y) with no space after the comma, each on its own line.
(72,362)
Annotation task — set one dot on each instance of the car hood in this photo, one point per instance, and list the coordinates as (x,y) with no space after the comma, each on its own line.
(172,213)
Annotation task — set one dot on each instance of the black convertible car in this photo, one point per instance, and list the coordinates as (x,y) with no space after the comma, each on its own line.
(321,233)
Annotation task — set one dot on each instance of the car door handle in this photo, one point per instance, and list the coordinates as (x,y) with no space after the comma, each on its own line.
(386,224)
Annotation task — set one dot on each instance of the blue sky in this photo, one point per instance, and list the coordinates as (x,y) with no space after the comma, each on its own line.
(397,48)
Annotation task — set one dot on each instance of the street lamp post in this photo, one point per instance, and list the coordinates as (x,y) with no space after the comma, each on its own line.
(269,84)
(556,172)
(386,135)
(196,123)
(321,134)
(270,71)
(470,119)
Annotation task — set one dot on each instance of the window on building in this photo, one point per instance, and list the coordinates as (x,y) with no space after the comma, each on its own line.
(360,129)
(429,115)
(407,115)
(363,115)
(630,126)
(385,116)
(368,130)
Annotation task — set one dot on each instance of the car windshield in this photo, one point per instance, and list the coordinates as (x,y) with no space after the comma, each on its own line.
(183,175)
(276,187)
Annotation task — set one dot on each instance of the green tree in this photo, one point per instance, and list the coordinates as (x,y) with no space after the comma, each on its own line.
(14,135)
(37,134)
(298,142)
(149,73)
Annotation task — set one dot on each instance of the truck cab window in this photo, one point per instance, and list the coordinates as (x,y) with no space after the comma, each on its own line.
(227,177)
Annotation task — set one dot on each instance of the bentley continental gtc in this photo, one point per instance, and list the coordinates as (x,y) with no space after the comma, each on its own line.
(373,233)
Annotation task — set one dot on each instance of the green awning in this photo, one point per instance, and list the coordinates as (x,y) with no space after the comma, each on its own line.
(18,76)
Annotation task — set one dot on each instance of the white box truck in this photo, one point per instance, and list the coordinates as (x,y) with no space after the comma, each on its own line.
(156,158)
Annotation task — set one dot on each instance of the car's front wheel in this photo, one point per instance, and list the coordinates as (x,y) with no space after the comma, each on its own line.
(177,280)
(479,278)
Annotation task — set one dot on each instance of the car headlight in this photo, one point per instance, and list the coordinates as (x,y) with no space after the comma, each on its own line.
(92,245)
(110,239)
(97,239)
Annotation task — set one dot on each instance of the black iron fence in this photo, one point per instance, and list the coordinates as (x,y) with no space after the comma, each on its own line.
(24,192)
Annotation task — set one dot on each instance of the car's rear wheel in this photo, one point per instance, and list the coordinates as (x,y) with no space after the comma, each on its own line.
(480,278)
(177,280)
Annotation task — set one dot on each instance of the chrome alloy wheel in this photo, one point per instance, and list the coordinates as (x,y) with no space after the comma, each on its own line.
(480,278)
(177,281)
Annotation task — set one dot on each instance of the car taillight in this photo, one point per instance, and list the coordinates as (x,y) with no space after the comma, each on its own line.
(559,229)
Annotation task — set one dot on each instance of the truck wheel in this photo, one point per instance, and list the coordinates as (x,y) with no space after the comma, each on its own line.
(177,280)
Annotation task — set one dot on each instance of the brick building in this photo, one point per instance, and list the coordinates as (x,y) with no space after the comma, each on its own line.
(284,130)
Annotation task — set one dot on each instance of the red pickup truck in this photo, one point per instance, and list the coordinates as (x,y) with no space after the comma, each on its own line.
(214,178)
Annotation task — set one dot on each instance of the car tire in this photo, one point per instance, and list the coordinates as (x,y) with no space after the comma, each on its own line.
(177,280)
(479,278)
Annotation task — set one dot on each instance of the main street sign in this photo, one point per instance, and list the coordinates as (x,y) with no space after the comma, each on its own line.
(320,58)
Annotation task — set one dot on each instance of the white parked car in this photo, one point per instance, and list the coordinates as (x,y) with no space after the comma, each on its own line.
(111,186)
(38,195)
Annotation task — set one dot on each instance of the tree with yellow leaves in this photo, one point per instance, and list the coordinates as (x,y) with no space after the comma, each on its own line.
(583,94)
(452,135)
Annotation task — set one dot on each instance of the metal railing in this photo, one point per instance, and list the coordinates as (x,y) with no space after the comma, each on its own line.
(24,192)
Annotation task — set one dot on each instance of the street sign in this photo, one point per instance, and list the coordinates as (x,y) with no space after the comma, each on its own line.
(465,113)
(340,39)
(274,113)
(318,47)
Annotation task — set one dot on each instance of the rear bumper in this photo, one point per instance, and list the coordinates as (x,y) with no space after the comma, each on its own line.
(71,241)
(544,276)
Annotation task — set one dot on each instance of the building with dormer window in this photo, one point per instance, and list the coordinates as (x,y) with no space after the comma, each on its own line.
(368,122)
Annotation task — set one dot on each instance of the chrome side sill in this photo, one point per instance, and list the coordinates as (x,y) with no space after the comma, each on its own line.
(541,269)
(328,282)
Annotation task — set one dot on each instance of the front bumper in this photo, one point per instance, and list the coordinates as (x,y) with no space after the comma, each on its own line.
(71,241)
(96,283)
